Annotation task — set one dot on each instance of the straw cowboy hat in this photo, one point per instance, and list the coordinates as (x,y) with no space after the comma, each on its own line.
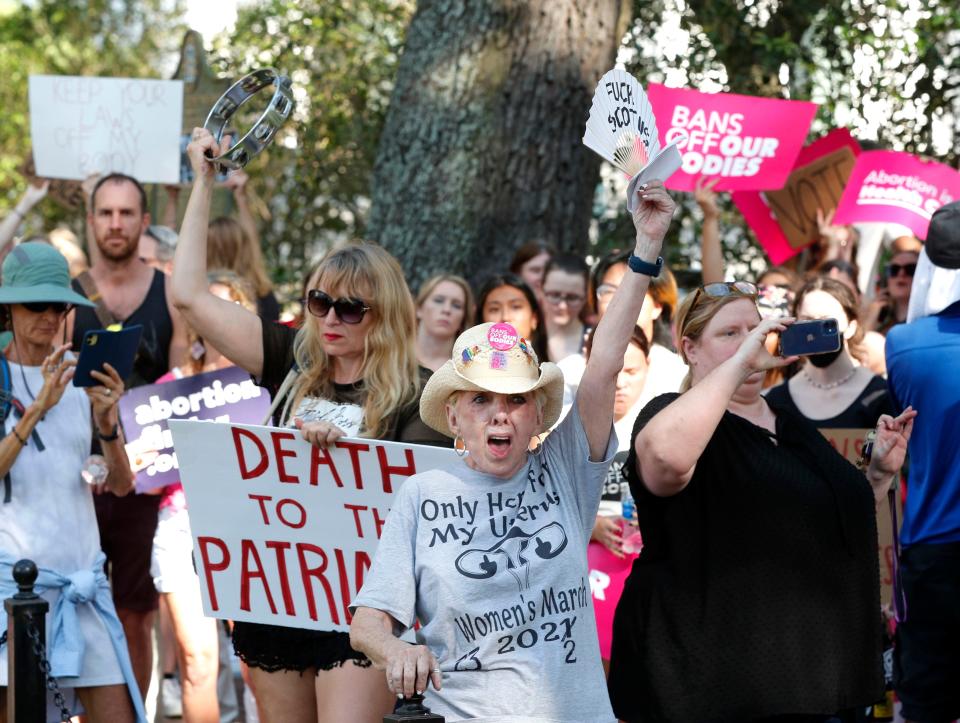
(492,358)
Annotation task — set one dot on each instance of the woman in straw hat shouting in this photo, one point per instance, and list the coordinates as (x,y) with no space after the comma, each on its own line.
(46,511)
(489,555)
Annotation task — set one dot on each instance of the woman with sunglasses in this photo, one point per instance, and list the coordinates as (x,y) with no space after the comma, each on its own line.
(756,593)
(358,376)
(889,307)
(46,506)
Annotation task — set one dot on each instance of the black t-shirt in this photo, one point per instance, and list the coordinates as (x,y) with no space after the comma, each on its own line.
(404,426)
(863,413)
(268,308)
(757,593)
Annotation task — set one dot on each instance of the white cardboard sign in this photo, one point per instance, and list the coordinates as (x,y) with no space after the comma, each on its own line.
(284,531)
(82,125)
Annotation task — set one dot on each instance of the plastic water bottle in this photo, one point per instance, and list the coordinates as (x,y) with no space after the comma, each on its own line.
(94,470)
(632,539)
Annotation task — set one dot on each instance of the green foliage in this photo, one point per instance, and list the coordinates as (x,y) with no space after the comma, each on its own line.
(889,71)
(342,58)
(72,37)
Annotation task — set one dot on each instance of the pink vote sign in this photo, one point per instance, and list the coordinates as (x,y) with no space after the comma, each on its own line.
(895,187)
(608,573)
(750,143)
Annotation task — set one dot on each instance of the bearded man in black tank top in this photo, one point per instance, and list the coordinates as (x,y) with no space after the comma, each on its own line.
(130,292)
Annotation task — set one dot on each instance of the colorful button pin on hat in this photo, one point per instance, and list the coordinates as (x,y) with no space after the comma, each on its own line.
(502,337)
(498,360)
(468,354)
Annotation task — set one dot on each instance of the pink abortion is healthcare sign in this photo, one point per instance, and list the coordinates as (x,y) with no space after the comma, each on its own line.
(896,187)
(750,143)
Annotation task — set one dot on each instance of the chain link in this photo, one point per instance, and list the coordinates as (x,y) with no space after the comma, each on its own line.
(40,651)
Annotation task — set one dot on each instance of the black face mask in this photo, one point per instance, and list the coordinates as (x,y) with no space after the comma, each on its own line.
(821,361)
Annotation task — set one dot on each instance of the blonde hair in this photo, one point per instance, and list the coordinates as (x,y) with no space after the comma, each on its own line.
(428,286)
(389,367)
(241,292)
(694,313)
(229,246)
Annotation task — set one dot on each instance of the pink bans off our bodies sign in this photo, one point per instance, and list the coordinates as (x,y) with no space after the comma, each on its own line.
(750,143)
(895,187)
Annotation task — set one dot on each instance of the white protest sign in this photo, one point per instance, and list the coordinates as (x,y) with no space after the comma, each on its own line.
(284,531)
(83,125)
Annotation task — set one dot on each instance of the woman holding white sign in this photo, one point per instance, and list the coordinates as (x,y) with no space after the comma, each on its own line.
(356,374)
(490,555)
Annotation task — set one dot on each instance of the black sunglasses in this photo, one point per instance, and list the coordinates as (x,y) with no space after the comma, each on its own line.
(38,307)
(349,311)
(895,269)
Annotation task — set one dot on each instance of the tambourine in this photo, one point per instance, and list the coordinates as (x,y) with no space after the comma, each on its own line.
(263,131)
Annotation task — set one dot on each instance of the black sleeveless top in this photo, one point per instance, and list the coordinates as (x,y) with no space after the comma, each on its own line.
(153,355)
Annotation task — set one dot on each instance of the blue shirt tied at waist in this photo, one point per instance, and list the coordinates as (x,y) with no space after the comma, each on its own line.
(66,646)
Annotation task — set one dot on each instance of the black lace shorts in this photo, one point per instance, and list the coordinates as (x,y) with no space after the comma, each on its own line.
(272,648)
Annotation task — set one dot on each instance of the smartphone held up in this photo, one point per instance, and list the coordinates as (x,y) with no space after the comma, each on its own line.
(806,338)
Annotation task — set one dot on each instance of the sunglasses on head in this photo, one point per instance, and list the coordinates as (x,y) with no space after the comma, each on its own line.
(728,288)
(38,307)
(895,269)
(349,311)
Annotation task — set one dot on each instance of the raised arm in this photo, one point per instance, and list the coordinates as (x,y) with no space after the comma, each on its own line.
(597,387)
(711,252)
(31,197)
(669,446)
(231,329)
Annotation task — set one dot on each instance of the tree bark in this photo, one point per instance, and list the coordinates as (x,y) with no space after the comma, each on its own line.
(481,150)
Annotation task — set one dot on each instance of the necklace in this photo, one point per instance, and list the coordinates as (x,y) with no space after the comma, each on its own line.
(23,376)
(831,385)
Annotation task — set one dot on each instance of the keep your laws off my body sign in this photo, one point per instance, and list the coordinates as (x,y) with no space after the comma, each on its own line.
(284,531)
(83,125)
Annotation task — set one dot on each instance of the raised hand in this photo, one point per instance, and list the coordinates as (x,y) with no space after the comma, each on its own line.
(57,373)
(202,148)
(753,355)
(706,197)
(105,396)
(890,445)
(654,210)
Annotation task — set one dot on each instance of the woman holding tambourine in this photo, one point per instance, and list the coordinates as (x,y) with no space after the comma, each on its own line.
(358,336)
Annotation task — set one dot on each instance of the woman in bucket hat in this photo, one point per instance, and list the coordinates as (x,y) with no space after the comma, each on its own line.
(46,513)
(489,555)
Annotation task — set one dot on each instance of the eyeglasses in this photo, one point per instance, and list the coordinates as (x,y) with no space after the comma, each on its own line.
(727,288)
(38,307)
(605,290)
(895,269)
(558,297)
(349,311)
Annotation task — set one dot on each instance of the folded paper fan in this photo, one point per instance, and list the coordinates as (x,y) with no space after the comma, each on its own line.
(623,130)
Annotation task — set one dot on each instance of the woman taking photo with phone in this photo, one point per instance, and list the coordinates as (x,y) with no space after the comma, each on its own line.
(356,375)
(756,593)
(831,390)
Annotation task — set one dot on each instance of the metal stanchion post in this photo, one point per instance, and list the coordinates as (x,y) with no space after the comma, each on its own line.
(412,710)
(26,682)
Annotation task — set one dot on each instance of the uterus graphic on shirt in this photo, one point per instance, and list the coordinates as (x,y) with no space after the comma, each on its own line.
(513,554)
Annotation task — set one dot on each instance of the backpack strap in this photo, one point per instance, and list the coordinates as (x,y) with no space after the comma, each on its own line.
(90,290)
(283,392)
(9,403)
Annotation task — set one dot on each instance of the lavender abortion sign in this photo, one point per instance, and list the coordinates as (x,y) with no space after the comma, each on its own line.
(225,395)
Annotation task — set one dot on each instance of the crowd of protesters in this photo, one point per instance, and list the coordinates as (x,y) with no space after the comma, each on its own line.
(755,593)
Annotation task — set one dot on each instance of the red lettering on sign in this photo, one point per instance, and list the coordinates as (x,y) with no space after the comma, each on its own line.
(307,572)
(356,509)
(344,584)
(278,437)
(263,508)
(245,471)
(280,549)
(387,471)
(248,552)
(319,456)
(354,448)
(378,521)
(211,567)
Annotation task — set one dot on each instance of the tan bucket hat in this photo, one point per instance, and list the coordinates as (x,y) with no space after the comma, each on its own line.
(493,358)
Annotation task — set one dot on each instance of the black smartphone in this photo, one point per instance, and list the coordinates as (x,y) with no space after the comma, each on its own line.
(116,348)
(806,338)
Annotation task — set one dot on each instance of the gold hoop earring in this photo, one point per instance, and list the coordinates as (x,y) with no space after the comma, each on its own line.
(460,450)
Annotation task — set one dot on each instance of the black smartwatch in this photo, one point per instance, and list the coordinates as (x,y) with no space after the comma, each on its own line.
(640,266)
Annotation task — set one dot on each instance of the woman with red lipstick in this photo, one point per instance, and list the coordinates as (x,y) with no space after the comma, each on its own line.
(444,308)
(489,554)
(351,369)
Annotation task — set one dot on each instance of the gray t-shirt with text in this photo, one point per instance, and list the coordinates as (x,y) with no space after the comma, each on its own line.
(495,571)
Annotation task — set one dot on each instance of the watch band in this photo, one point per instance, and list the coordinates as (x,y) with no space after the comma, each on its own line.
(640,266)
(114,434)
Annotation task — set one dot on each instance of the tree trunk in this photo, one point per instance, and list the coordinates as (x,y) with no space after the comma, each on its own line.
(481,150)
